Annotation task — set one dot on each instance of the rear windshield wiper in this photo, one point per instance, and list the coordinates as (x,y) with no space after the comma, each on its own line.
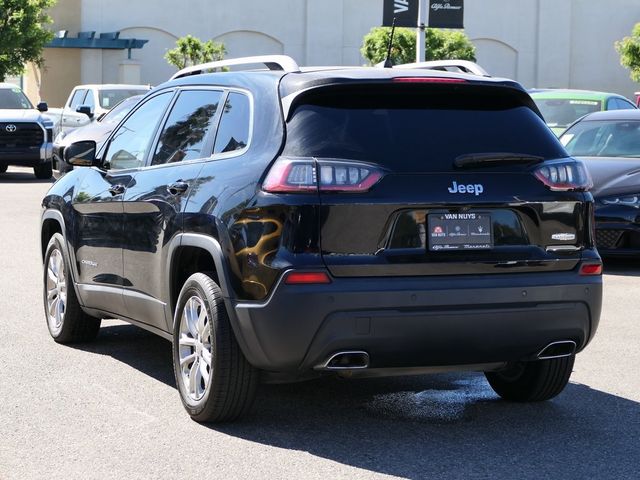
(489,159)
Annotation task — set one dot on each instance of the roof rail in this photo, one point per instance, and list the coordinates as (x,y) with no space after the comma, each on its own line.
(463,66)
(272,62)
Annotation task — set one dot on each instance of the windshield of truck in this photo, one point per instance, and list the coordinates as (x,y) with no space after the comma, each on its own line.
(13,98)
(110,98)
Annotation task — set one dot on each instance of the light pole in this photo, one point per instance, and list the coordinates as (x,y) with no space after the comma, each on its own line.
(420,35)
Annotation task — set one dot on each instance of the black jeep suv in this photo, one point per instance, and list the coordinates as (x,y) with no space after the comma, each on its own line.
(279,224)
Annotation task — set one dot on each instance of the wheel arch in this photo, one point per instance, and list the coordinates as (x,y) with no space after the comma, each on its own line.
(52,222)
(201,251)
(190,253)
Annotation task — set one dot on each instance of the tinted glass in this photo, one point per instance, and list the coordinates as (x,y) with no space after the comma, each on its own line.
(233,132)
(562,112)
(77,98)
(13,98)
(603,139)
(130,143)
(110,98)
(187,127)
(416,132)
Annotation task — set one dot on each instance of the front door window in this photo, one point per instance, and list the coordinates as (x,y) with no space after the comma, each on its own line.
(130,143)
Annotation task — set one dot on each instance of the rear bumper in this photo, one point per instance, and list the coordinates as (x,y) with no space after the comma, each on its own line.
(409,322)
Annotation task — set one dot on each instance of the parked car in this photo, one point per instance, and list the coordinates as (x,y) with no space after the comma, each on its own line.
(609,144)
(282,224)
(90,102)
(25,134)
(560,107)
(97,131)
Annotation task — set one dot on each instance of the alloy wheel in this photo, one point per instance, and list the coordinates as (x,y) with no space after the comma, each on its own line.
(56,291)
(194,348)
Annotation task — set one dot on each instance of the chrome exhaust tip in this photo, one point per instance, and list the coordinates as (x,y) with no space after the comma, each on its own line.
(562,348)
(347,360)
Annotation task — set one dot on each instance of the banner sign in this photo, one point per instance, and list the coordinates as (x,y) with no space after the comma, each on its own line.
(446,13)
(404,11)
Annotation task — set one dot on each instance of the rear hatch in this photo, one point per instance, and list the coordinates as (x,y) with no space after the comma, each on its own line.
(459,184)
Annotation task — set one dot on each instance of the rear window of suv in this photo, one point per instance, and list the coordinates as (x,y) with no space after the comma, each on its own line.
(416,129)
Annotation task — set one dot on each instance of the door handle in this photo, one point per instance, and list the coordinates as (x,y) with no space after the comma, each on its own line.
(177,188)
(117,189)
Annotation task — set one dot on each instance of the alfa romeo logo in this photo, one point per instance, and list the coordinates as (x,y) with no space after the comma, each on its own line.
(10,128)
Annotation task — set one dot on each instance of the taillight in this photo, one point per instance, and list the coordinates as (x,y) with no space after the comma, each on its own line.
(294,175)
(564,176)
(306,278)
(291,176)
(588,269)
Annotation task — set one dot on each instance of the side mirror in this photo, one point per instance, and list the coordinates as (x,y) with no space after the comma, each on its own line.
(42,107)
(81,154)
(86,109)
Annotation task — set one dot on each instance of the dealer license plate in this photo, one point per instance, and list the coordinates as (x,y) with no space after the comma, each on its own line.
(459,231)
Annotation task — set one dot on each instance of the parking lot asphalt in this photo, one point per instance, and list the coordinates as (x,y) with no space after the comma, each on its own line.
(109,409)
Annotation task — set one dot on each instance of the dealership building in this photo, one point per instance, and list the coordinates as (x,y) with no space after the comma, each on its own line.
(540,43)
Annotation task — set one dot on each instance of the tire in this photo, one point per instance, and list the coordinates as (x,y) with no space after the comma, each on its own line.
(3,168)
(66,321)
(214,379)
(532,381)
(43,171)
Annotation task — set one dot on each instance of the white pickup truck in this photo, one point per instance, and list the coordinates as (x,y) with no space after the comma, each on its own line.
(89,102)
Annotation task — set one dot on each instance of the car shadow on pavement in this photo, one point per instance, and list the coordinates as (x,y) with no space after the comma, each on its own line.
(136,347)
(448,426)
(627,267)
(435,426)
(22,176)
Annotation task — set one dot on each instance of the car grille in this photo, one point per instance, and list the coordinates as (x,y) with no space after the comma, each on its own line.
(608,238)
(25,135)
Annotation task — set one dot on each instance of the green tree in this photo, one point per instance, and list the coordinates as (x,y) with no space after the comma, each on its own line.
(23,34)
(439,45)
(190,50)
(629,50)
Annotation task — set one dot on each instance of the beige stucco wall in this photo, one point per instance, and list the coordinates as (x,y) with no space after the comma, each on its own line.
(541,43)
(62,70)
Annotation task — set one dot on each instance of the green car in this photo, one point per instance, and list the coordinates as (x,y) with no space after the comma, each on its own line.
(561,107)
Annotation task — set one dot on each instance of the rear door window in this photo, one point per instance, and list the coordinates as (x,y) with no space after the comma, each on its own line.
(416,131)
(187,129)
(619,104)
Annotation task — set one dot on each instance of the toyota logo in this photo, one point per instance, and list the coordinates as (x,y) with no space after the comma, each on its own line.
(11,128)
